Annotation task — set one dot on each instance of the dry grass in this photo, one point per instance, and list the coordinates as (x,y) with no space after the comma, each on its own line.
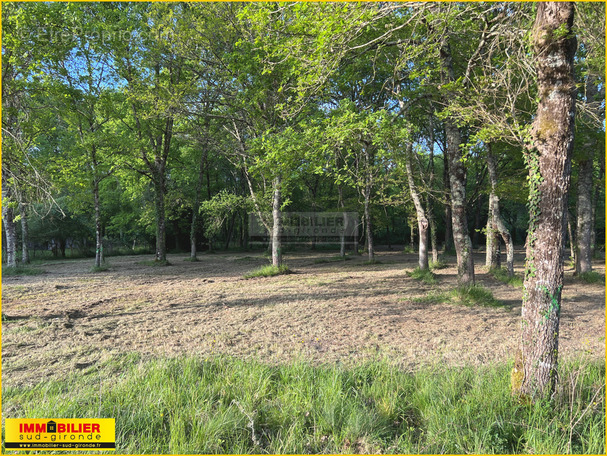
(339,311)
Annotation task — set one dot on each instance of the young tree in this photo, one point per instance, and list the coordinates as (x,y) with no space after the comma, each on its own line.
(549,163)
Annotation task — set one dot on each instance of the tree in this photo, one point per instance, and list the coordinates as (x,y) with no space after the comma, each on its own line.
(549,165)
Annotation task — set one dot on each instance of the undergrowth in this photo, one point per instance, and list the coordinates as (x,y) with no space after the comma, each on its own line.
(268,271)
(474,295)
(424,275)
(188,405)
(591,277)
(501,274)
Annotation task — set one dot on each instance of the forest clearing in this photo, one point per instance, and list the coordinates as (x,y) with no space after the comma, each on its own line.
(252,227)
(333,311)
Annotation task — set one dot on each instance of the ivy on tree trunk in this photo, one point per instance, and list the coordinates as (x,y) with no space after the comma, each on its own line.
(549,165)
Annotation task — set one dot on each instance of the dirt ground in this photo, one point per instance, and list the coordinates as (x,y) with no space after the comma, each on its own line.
(69,319)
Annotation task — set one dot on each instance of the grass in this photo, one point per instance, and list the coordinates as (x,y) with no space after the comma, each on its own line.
(501,274)
(423,275)
(268,271)
(439,264)
(104,267)
(21,271)
(469,296)
(224,405)
(591,277)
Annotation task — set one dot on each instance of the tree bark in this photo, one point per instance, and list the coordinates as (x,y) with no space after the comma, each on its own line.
(159,189)
(448,227)
(368,224)
(10,229)
(583,241)
(422,221)
(498,226)
(367,196)
(549,163)
(98,235)
(457,182)
(196,208)
(25,256)
(276,224)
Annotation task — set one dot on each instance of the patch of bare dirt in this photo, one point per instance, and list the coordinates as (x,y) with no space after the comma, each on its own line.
(69,319)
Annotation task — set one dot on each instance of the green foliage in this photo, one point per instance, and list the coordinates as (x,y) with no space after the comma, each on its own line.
(423,275)
(268,271)
(188,405)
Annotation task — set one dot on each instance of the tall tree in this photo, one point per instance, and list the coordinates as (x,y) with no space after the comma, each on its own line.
(549,164)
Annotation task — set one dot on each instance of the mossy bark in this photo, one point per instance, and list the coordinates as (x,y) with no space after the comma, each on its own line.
(549,163)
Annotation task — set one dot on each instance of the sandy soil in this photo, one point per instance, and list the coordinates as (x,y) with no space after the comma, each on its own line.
(69,319)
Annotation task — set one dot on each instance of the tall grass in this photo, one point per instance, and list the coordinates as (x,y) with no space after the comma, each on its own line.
(225,405)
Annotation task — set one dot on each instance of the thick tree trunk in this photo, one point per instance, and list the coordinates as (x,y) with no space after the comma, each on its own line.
(161,254)
(583,254)
(276,224)
(25,256)
(549,163)
(498,226)
(98,235)
(457,184)
(422,221)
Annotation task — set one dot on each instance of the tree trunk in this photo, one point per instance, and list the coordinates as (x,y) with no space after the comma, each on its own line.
(98,236)
(161,254)
(10,229)
(276,225)
(498,224)
(368,225)
(196,208)
(25,257)
(583,255)
(549,164)
(422,221)
(457,183)
(446,185)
